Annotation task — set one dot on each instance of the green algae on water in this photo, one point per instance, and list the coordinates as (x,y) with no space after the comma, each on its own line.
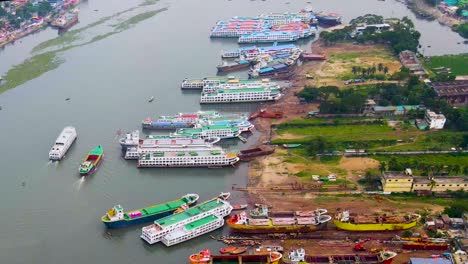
(30,69)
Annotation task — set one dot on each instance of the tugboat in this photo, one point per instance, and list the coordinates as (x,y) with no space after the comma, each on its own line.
(91,161)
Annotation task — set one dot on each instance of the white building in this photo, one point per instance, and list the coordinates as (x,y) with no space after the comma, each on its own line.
(433,120)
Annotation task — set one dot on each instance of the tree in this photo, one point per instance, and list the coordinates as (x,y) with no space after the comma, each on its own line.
(383,166)
(380,67)
(385,70)
(456,209)
(354,70)
(43,8)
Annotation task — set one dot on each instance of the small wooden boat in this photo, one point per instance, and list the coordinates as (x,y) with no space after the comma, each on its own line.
(239,250)
(227,250)
(291,145)
(202,257)
(239,206)
(151,99)
(91,161)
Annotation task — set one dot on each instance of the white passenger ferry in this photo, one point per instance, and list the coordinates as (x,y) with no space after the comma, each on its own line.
(213,157)
(241,95)
(63,143)
(240,84)
(188,224)
(210,131)
(264,37)
(152,145)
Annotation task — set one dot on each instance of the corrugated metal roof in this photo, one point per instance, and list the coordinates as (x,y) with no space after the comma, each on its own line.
(430,261)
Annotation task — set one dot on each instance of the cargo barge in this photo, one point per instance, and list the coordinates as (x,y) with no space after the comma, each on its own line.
(249,154)
(353,222)
(299,256)
(116,217)
(284,222)
(255,256)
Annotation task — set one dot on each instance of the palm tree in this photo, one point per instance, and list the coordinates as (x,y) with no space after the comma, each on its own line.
(354,70)
(363,72)
(383,166)
(385,70)
(380,67)
(373,69)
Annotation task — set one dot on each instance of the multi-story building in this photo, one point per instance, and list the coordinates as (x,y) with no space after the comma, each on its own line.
(433,120)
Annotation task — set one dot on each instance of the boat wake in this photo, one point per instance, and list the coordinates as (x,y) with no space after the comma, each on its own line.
(79,183)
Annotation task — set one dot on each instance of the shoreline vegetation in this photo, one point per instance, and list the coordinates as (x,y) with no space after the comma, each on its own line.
(41,63)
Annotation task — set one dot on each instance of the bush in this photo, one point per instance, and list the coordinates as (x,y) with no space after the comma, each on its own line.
(463,30)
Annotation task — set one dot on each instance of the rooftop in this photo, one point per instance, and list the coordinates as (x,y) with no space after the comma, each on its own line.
(396,175)
(196,210)
(200,222)
(429,261)
(452,88)
(442,180)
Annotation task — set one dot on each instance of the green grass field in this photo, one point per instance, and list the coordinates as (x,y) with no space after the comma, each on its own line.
(349,132)
(458,63)
(440,140)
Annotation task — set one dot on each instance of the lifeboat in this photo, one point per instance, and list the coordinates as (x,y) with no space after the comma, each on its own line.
(227,250)
(202,257)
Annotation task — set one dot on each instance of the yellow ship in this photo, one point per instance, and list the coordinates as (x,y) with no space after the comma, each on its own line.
(345,221)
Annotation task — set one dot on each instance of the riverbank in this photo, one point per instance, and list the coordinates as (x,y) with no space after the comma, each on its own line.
(422,9)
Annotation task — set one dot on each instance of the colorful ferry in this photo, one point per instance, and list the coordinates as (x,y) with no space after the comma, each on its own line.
(241,84)
(265,37)
(353,222)
(116,217)
(299,256)
(239,95)
(63,143)
(181,120)
(285,18)
(210,131)
(281,222)
(188,224)
(238,26)
(92,160)
(214,157)
(175,143)
(254,256)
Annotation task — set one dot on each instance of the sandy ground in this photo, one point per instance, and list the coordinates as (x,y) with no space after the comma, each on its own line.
(271,171)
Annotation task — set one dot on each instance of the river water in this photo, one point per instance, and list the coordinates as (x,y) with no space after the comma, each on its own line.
(50,214)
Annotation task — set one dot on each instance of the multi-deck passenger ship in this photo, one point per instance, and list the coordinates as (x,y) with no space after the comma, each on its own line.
(177,143)
(63,143)
(241,95)
(264,37)
(213,157)
(210,131)
(191,223)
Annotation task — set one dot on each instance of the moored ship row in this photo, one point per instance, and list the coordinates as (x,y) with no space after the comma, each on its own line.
(193,222)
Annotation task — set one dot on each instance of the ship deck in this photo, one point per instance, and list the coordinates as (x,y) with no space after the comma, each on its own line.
(182,152)
(172,219)
(200,222)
